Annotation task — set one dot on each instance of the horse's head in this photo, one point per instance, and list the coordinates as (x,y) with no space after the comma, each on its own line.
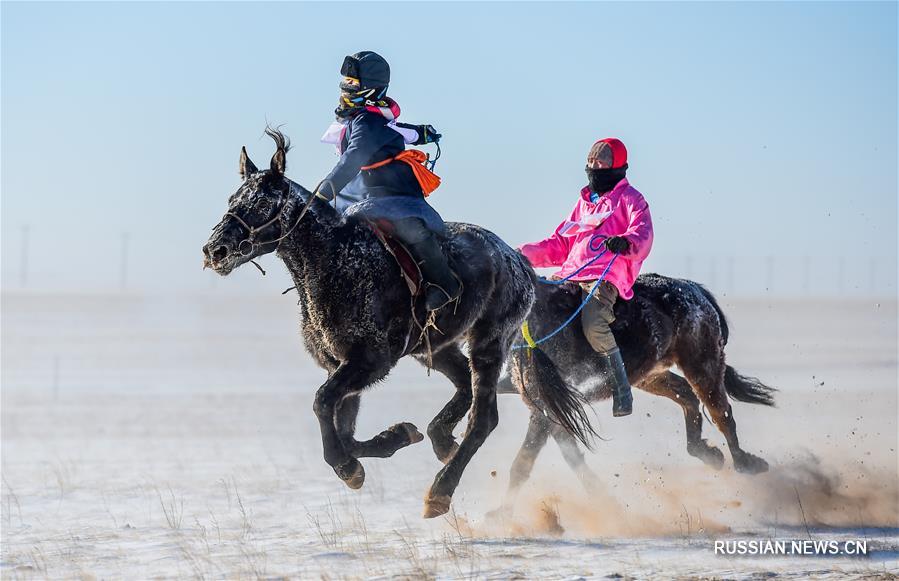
(256,220)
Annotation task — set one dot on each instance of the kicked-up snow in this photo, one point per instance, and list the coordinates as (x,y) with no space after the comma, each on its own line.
(147,437)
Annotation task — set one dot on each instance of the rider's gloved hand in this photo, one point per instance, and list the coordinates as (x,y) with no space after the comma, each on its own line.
(617,244)
(426,134)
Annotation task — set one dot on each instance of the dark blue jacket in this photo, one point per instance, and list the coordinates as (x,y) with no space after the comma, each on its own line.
(368,140)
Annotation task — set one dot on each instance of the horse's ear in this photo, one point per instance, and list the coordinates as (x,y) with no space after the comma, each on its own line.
(246,166)
(279,162)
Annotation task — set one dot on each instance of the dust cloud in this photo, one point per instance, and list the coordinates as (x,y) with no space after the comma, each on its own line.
(651,501)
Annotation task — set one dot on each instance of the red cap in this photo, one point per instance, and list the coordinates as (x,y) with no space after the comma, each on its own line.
(607,153)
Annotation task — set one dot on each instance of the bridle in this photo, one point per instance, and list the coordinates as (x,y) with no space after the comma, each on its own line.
(254,230)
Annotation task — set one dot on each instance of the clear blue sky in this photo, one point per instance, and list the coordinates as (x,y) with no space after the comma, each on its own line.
(754,129)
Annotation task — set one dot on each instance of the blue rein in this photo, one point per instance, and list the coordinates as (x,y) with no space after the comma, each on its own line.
(531,343)
(592,245)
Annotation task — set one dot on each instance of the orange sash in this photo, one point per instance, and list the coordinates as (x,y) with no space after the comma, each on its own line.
(415,158)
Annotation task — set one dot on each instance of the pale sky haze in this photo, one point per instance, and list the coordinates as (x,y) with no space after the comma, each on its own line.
(763,135)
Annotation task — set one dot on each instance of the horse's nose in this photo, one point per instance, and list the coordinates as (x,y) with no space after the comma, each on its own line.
(220,253)
(217,254)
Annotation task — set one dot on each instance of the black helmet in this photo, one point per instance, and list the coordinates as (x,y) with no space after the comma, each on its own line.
(369,68)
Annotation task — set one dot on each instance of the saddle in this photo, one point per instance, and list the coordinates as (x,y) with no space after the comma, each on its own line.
(403,257)
(415,281)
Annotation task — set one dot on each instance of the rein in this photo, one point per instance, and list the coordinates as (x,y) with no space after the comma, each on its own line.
(530,343)
(594,247)
(254,230)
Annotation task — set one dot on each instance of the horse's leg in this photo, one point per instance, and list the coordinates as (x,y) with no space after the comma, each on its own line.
(349,378)
(534,440)
(488,352)
(451,362)
(707,379)
(574,456)
(384,445)
(678,390)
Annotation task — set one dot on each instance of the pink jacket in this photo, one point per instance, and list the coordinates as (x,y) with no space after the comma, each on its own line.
(620,212)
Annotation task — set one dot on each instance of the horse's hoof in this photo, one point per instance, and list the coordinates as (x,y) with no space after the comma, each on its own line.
(411,432)
(352,473)
(710,455)
(750,464)
(436,506)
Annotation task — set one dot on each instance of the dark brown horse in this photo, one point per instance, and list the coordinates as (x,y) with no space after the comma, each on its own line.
(668,322)
(359,319)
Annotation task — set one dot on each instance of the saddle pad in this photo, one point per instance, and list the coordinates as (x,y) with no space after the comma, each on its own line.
(399,252)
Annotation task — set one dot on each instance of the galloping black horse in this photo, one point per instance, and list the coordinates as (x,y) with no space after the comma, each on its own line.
(359,319)
(668,322)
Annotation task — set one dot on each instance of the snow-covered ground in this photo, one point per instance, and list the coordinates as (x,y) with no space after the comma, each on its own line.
(173,437)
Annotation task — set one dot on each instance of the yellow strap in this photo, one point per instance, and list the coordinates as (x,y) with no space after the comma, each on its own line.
(526,333)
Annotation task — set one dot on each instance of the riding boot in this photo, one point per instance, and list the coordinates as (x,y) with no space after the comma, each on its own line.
(596,319)
(442,284)
(622,398)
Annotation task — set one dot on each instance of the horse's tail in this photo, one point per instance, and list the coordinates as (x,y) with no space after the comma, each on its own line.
(546,389)
(740,387)
(725,330)
(747,389)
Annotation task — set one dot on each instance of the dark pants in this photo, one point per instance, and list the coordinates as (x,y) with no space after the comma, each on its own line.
(598,314)
(423,244)
(410,231)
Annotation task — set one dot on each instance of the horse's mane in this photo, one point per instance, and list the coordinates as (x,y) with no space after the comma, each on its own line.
(281,140)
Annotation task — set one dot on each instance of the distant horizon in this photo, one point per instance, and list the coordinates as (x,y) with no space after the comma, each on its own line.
(243,292)
(247,281)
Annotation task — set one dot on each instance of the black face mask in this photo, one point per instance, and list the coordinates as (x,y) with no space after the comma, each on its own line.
(603,180)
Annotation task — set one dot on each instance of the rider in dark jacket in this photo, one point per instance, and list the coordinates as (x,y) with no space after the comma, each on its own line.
(368,136)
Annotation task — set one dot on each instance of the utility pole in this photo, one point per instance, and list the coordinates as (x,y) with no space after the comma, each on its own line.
(56,377)
(872,276)
(23,263)
(123,272)
(841,269)
(806,275)
(769,276)
(730,275)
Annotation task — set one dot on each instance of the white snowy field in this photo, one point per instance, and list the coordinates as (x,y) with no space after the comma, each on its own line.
(165,437)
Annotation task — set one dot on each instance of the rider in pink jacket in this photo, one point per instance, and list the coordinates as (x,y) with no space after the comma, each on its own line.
(610,217)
